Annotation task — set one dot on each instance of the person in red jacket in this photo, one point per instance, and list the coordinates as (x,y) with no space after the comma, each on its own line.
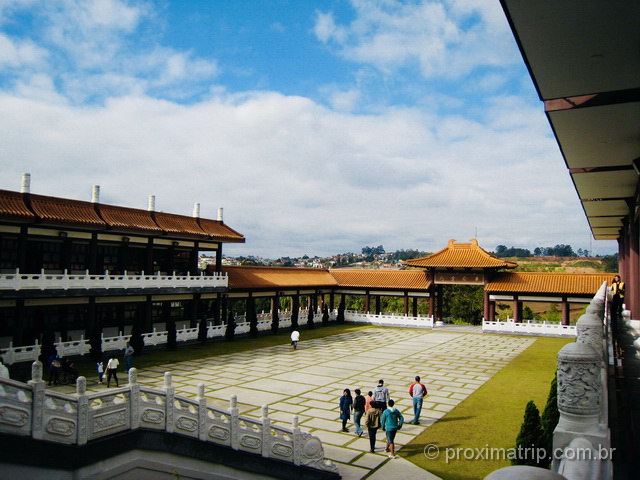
(417,391)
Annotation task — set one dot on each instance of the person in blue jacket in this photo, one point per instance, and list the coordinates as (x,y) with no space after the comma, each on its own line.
(346,404)
(391,422)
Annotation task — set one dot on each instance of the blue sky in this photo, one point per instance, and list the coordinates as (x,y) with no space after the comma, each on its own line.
(320,127)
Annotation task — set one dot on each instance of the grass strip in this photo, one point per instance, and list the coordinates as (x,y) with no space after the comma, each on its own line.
(490,418)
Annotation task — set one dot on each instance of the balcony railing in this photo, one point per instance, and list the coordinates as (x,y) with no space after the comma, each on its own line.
(67,281)
(30,410)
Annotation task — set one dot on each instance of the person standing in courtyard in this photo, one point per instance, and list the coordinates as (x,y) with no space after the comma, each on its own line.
(381,395)
(346,403)
(391,422)
(128,357)
(112,371)
(417,391)
(100,368)
(295,338)
(372,422)
(358,411)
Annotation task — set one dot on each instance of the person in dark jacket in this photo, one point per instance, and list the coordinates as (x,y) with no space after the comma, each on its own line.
(346,403)
(358,411)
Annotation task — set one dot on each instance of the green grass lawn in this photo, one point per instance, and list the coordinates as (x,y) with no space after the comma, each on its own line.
(490,417)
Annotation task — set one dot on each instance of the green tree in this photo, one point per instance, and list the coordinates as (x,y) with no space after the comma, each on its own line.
(549,421)
(529,438)
(230,332)
(463,302)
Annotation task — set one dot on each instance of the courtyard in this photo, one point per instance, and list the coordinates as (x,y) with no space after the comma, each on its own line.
(307,382)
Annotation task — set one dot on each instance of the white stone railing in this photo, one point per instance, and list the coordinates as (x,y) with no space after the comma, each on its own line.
(389,320)
(529,328)
(31,353)
(29,410)
(67,281)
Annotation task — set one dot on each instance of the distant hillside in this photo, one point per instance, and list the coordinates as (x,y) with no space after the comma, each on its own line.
(561,264)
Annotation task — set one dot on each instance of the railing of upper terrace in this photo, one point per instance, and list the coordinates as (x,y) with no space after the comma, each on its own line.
(582,439)
(28,409)
(67,281)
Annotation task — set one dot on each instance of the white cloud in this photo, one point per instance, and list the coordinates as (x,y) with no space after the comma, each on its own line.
(17,54)
(296,177)
(326,29)
(389,34)
(98,49)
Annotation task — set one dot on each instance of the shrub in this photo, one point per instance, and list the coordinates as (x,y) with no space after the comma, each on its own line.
(549,421)
(529,438)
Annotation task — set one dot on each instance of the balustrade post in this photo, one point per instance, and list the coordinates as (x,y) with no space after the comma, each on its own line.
(170,398)
(266,432)
(134,398)
(83,410)
(579,398)
(37,400)
(297,442)
(202,413)
(234,424)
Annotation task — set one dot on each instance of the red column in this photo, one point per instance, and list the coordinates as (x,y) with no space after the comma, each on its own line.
(439,302)
(621,256)
(414,306)
(485,301)
(632,299)
(377,304)
(565,311)
(367,299)
(492,312)
(517,311)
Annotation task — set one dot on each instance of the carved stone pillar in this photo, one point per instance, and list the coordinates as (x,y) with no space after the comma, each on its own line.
(579,398)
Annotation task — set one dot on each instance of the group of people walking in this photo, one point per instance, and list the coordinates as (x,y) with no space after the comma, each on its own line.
(377,410)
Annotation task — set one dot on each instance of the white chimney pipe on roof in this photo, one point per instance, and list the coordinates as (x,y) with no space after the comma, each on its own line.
(196,210)
(151,206)
(220,214)
(26,183)
(95,194)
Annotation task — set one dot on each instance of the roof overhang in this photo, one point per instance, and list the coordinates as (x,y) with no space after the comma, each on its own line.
(584,60)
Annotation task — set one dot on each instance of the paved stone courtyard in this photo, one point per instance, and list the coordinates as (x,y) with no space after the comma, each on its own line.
(308,382)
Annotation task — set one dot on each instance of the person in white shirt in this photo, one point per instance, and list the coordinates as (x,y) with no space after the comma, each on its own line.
(112,371)
(295,338)
(381,395)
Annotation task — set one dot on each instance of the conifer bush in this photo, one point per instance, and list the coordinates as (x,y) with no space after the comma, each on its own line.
(310,323)
(529,438)
(172,341)
(549,420)
(230,332)
(136,340)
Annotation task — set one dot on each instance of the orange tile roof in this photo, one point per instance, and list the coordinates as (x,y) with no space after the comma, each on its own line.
(278,277)
(558,283)
(171,223)
(62,210)
(216,230)
(55,210)
(460,255)
(12,206)
(128,218)
(396,279)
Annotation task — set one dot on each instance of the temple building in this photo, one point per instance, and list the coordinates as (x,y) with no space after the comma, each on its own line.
(80,268)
